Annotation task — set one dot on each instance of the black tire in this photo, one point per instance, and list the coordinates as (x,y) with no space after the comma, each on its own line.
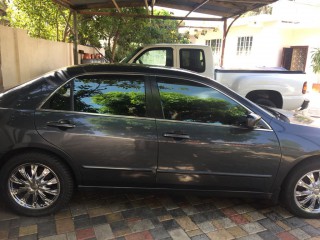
(45,188)
(292,190)
(265,102)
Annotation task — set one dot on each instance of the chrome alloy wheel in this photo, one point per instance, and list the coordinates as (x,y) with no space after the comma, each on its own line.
(307,192)
(34,186)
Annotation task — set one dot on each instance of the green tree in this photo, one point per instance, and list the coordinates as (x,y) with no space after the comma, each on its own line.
(45,19)
(315,60)
(182,106)
(3,12)
(123,35)
(42,18)
(115,32)
(121,103)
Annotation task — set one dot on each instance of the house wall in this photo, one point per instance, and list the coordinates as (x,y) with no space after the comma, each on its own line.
(269,39)
(304,37)
(24,58)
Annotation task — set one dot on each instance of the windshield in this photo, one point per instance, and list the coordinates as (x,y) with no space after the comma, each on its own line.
(127,58)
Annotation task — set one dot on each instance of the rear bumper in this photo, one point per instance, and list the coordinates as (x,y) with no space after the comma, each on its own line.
(305,104)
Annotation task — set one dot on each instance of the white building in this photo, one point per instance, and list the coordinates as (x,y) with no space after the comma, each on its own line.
(286,38)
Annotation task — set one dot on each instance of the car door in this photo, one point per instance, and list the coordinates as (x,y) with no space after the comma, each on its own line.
(204,143)
(102,122)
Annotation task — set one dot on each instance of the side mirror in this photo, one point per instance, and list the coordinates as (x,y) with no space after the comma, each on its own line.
(252,120)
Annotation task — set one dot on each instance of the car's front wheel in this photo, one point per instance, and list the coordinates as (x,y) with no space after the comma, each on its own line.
(36,184)
(302,190)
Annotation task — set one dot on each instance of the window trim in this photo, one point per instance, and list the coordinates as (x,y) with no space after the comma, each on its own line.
(95,114)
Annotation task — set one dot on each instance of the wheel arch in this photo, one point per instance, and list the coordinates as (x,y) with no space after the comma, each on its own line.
(288,189)
(63,157)
(271,95)
(286,176)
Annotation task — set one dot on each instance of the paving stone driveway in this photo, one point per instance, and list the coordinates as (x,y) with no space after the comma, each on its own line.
(134,216)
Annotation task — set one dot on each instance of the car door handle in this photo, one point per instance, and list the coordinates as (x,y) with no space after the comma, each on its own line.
(61,124)
(176,135)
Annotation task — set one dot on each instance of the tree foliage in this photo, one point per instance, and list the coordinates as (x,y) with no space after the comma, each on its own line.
(3,12)
(121,103)
(122,35)
(42,18)
(119,35)
(181,106)
(315,60)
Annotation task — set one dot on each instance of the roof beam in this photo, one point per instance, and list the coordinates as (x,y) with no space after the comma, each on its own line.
(202,10)
(246,1)
(195,9)
(64,3)
(116,5)
(109,4)
(221,8)
(111,14)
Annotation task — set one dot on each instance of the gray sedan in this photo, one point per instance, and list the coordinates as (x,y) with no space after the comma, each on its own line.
(128,126)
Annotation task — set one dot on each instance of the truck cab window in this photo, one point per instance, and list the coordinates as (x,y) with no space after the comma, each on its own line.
(192,59)
(156,56)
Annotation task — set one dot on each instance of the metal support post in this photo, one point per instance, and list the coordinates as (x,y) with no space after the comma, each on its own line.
(75,40)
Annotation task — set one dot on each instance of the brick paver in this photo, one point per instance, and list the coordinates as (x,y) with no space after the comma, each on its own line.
(127,215)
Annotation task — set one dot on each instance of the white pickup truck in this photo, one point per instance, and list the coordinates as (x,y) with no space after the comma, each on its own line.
(275,88)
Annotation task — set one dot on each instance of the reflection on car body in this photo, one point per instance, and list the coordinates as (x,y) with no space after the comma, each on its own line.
(149,128)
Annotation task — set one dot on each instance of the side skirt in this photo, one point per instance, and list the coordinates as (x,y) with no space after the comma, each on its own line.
(240,194)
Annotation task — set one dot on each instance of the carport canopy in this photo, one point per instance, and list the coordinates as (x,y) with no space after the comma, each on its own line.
(221,10)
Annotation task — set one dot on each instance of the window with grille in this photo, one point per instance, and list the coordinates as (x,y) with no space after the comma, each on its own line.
(244,45)
(215,45)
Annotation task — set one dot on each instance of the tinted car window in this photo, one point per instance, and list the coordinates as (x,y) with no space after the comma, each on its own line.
(193,102)
(101,94)
(192,59)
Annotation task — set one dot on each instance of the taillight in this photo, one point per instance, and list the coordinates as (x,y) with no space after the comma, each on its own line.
(304,88)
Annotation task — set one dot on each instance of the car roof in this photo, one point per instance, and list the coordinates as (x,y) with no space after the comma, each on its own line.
(130,68)
(30,94)
(176,45)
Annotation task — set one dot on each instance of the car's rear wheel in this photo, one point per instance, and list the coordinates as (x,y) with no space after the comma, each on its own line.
(302,191)
(36,184)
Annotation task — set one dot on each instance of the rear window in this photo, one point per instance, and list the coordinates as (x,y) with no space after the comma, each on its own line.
(192,59)
(29,95)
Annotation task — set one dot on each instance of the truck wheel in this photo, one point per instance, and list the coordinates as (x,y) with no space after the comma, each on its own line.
(35,184)
(265,102)
(302,191)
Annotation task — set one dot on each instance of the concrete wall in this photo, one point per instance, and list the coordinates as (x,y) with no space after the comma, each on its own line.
(269,39)
(23,58)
